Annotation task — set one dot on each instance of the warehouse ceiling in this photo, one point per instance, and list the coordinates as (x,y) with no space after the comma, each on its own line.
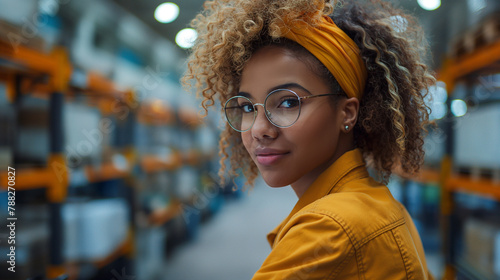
(442,26)
(189,8)
(145,9)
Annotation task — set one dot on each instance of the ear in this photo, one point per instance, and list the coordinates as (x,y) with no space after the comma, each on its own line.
(350,109)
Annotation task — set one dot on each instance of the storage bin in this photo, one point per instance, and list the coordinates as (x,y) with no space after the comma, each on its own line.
(31,243)
(481,247)
(150,258)
(93,229)
(18,12)
(187,183)
(84,132)
(434,146)
(156,193)
(32,142)
(477,138)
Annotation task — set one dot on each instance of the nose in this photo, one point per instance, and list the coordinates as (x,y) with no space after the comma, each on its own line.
(262,128)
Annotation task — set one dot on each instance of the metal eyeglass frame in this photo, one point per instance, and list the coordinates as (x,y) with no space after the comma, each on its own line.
(265,109)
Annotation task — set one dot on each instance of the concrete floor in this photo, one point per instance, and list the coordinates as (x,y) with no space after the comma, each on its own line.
(233,245)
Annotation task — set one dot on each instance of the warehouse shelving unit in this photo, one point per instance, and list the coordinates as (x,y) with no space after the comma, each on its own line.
(485,187)
(104,94)
(481,57)
(49,75)
(19,62)
(473,54)
(115,167)
(158,113)
(167,152)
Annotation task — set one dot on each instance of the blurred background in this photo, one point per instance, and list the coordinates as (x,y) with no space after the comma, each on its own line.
(113,172)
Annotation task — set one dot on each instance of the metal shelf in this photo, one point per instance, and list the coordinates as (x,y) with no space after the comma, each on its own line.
(106,172)
(467,270)
(162,216)
(152,163)
(479,186)
(460,67)
(125,248)
(425,176)
(56,174)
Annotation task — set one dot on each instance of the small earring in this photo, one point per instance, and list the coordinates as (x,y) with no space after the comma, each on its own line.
(346,128)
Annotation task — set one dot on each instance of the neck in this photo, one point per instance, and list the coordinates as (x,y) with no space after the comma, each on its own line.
(300,186)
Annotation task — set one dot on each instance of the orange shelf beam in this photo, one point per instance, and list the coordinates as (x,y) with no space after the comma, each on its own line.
(469,63)
(480,186)
(45,177)
(425,176)
(29,179)
(156,112)
(161,216)
(193,158)
(151,163)
(428,176)
(123,249)
(104,87)
(105,172)
(56,64)
(31,59)
(100,84)
(190,117)
(54,177)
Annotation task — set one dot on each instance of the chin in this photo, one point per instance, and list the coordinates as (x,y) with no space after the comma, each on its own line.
(274,182)
(278,186)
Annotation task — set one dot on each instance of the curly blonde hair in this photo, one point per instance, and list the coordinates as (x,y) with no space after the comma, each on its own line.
(392,116)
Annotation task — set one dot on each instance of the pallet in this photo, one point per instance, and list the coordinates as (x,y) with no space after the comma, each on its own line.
(486,33)
(479,173)
(14,35)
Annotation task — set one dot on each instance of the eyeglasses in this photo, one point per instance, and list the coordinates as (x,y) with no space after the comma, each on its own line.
(281,107)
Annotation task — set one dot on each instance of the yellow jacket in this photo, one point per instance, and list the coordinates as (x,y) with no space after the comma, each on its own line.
(346,226)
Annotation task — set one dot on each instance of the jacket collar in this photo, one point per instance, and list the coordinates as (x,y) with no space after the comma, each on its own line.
(348,167)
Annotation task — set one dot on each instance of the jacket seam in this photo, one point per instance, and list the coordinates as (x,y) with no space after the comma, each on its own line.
(338,184)
(404,255)
(341,185)
(337,220)
(344,262)
(361,264)
(342,265)
(356,243)
(382,230)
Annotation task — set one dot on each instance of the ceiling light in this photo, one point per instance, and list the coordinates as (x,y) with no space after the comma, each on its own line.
(438,111)
(186,37)
(458,107)
(166,12)
(436,100)
(429,5)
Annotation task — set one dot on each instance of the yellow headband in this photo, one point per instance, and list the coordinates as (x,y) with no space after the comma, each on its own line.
(335,50)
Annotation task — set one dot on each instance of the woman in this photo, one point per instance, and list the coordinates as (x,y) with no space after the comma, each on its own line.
(310,90)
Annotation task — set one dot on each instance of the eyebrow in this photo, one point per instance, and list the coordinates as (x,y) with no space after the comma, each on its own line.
(285,86)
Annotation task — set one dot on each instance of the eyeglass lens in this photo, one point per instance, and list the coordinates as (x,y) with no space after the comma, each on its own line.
(282,109)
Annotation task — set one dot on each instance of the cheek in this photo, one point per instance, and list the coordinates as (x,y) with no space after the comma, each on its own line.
(246,138)
(317,137)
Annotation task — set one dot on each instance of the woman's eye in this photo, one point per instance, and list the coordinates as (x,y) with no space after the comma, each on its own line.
(289,103)
(247,108)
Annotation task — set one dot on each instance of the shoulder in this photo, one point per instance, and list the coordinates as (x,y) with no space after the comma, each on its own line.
(362,211)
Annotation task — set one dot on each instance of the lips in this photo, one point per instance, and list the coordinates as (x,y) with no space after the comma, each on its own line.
(268,156)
